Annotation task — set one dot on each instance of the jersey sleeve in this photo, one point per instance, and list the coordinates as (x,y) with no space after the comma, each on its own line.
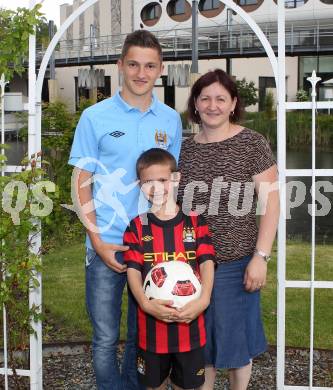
(134,255)
(174,148)
(205,248)
(84,152)
(262,156)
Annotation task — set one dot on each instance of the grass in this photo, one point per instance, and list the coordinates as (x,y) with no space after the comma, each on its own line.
(66,319)
(64,296)
(298,267)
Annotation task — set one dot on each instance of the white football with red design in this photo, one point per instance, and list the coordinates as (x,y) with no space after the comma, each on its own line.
(172,280)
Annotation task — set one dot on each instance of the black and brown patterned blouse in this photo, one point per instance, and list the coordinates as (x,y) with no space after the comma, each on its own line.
(218,178)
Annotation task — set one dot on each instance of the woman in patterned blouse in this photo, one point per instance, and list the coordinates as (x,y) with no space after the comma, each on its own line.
(225,168)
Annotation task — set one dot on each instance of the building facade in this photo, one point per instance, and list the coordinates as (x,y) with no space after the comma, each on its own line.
(225,42)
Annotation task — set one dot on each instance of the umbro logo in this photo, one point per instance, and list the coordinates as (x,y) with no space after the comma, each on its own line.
(147,238)
(117,134)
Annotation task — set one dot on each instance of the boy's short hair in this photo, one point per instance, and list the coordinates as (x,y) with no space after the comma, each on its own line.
(141,38)
(155,156)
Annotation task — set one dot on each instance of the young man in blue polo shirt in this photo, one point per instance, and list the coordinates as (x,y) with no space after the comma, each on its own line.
(109,138)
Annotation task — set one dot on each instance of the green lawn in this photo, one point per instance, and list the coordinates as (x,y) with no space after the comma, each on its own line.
(66,319)
(298,267)
(64,296)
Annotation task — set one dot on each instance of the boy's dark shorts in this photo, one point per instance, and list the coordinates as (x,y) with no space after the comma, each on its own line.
(186,369)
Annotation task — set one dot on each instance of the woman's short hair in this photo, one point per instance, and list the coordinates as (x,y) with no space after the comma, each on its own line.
(211,77)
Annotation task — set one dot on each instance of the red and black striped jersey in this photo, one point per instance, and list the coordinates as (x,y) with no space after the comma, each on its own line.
(152,241)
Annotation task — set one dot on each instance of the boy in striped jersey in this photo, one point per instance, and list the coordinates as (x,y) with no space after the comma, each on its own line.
(170,341)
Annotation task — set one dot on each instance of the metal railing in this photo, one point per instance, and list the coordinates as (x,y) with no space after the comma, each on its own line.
(217,40)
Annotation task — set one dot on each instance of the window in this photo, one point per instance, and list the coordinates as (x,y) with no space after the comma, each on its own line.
(207,5)
(176,7)
(102,92)
(293,3)
(151,12)
(247,2)
(325,64)
(179,10)
(323,67)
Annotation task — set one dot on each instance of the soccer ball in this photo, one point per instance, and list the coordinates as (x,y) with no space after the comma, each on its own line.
(172,280)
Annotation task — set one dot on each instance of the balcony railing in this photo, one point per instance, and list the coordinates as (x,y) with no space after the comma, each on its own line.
(213,41)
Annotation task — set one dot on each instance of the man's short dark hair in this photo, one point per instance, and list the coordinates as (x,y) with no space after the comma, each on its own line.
(155,156)
(141,38)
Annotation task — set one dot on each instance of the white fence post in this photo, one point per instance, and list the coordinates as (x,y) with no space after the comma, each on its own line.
(311,284)
(35,295)
(281,157)
(313,80)
(3,83)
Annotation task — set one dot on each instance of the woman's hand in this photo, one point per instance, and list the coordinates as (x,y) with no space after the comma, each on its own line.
(255,274)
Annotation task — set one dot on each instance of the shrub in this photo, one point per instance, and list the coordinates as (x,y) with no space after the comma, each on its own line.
(269,105)
(247,92)
(298,125)
(18,264)
(302,96)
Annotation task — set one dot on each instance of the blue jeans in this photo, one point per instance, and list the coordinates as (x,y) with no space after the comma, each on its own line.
(104,289)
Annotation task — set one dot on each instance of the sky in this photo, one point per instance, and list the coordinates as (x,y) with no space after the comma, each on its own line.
(50,7)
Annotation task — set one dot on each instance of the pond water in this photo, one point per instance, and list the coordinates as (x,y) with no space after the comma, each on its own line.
(299,226)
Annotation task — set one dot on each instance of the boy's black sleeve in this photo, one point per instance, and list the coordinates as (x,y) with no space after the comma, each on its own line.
(205,248)
(134,255)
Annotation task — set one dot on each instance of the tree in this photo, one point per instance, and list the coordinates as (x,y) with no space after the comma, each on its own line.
(42,34)
(247,92)
(15,27)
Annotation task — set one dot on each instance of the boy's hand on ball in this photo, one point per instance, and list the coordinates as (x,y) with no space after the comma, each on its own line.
(161,309)
(192,310)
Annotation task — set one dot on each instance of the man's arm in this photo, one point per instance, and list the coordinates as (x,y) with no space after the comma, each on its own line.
(87,213)
(157,308)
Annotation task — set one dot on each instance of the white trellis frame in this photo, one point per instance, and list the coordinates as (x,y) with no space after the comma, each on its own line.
(278,66)
(311,284)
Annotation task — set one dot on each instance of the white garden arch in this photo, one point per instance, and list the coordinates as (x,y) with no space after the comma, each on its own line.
(278,66)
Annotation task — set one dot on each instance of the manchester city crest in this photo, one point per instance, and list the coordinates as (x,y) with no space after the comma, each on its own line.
(161,139)
(141,366)
(188,234)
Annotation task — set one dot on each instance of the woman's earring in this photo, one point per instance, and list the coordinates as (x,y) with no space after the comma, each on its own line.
(195,112)
(232,113)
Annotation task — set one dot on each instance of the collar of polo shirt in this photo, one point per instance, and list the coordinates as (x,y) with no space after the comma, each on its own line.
(127,107)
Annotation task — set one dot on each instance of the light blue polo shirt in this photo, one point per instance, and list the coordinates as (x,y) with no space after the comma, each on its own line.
(108,140)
